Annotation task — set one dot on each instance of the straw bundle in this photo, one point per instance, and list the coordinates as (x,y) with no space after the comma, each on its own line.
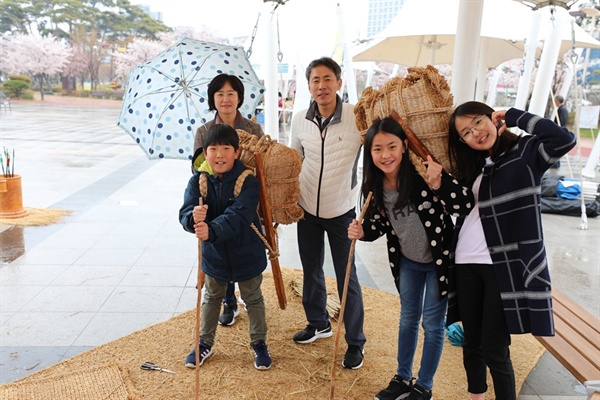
(423,100)
(281,170)
(362,112)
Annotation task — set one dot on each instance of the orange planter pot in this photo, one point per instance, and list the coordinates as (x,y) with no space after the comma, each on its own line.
(11,197)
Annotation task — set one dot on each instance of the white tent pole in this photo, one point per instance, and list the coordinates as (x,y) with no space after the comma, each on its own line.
(302,97)
(466,49)
(349,74)
(482,72)
(271,84)
(493,90)
(583,225)
(566,84)
(433,46)
(584,73)
(543,79)
(370,73)
(530,49)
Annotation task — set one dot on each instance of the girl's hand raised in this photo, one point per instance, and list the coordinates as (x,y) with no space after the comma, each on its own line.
(355,230)
(497,120)
(434,173)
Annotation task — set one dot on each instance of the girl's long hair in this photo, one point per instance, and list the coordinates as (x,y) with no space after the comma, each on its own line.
(467,163)
(373,176)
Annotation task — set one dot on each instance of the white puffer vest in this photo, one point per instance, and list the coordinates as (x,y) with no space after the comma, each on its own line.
(328,180)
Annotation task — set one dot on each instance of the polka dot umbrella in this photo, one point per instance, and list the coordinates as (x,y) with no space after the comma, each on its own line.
(166,99)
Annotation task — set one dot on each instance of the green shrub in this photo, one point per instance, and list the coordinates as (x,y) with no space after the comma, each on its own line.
(27,95)
(82,93)
(15,88)
(18,77)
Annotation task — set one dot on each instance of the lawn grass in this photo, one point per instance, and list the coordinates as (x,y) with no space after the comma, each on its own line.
(588,133)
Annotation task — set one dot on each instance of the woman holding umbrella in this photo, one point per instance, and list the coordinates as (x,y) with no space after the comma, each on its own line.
(225,96)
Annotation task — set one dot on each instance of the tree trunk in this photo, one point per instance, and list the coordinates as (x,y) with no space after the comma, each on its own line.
(42,86)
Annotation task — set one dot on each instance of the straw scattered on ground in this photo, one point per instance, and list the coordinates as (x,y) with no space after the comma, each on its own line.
(298,371)
(37,217)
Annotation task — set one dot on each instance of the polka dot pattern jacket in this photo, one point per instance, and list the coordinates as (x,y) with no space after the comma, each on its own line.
(435,209)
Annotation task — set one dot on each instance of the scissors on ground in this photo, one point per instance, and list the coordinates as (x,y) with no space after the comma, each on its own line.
(150,366)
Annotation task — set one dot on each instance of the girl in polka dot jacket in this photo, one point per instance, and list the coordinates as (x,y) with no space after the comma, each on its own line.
(415,217)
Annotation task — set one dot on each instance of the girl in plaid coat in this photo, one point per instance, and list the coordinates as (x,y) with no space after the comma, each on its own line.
(499,280)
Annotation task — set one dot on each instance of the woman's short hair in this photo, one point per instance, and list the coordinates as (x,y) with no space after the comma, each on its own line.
(218,82)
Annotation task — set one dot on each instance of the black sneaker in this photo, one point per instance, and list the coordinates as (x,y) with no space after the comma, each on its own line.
(205,352)
(396,390)
(230,311)
(419,393)
(262,358)
(310,334)
(354,357)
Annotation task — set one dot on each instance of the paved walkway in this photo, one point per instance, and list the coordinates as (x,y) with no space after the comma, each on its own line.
(121,261)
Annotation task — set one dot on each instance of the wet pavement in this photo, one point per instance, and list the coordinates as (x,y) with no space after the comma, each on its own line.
(121,262)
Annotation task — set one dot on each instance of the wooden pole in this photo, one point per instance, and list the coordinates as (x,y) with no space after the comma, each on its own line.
(344,295)
(269,231)
(199,285)
(414,143)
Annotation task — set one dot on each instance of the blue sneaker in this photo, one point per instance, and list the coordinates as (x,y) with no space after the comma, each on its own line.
(205,352)
(262,358)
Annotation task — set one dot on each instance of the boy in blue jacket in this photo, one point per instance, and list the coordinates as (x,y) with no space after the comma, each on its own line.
(231,250)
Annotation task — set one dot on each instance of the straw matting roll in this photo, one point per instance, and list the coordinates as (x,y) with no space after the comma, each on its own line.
(106,382)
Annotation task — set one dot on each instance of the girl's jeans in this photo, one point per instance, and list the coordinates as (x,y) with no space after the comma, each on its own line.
(419,296)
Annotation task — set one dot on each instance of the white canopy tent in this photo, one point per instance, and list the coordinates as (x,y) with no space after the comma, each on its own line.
(424,31)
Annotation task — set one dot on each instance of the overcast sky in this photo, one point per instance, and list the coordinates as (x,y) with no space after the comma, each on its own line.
(232,18)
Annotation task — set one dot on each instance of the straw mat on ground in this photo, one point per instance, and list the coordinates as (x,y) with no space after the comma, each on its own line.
(298,371)
(109,382)
(37,217)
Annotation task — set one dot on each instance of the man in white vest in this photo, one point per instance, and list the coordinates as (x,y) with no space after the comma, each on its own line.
(326,136)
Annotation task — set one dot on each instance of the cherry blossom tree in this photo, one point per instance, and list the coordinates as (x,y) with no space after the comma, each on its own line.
(77,67)
(141,50)
(40,57)
(137,52)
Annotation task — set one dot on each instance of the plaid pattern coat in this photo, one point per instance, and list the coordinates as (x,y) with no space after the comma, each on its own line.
(510,211)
